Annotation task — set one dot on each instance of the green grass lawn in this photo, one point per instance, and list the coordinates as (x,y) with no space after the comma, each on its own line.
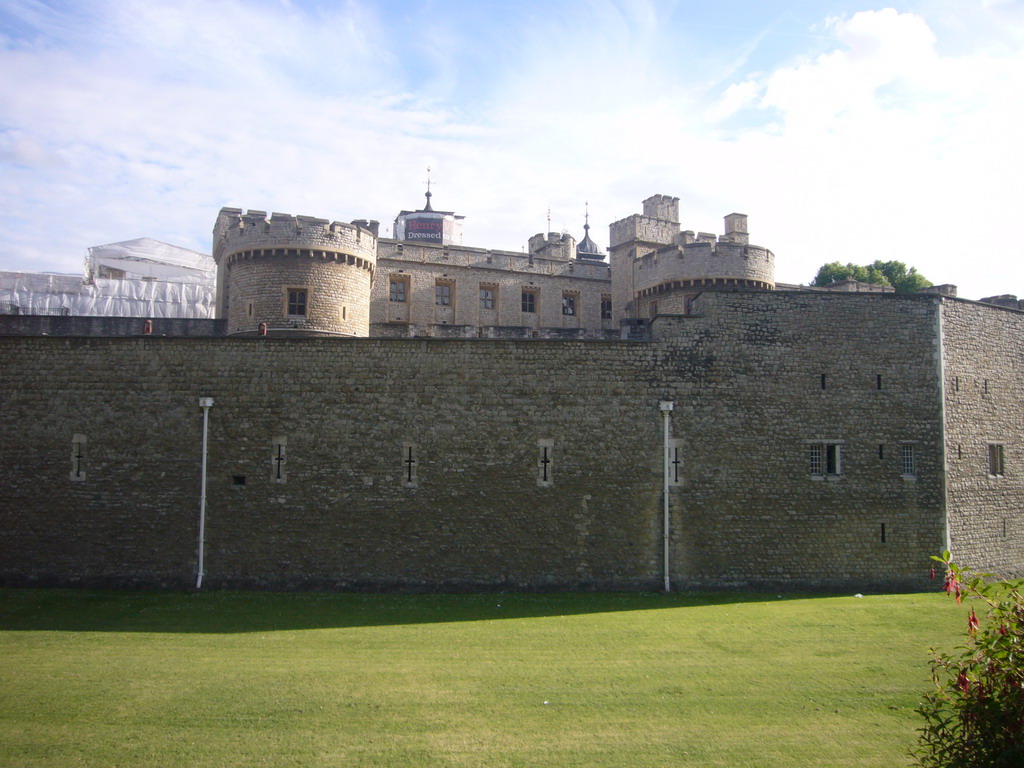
(268,679)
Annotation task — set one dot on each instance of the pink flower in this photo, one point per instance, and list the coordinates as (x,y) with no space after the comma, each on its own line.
(950,584)
(972,622)
(963,682)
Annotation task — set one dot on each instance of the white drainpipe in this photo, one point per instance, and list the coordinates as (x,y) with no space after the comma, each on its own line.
(666,407)
(205,403)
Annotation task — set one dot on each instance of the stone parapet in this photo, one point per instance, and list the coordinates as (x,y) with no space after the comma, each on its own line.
(300,272)
(704,261)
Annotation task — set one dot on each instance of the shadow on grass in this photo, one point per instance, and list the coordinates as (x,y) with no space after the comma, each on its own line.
(229,611)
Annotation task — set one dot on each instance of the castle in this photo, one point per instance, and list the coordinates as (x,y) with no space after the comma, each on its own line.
(305,276)
(412,413)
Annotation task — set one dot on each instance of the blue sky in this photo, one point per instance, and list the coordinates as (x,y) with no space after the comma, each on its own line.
(846,131)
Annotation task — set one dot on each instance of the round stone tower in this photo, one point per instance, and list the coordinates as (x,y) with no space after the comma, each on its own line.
(657,268)
(298,275)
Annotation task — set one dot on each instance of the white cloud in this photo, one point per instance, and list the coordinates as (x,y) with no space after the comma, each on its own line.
(885,149)
(125,119)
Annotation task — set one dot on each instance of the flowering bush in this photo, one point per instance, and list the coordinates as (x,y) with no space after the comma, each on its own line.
(975,715)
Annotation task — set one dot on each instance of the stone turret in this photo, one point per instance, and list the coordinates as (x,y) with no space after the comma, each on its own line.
(300,275)
(657,268)
(560,246)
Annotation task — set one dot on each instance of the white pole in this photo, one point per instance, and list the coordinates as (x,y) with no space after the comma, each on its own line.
(205,403)
(666,406)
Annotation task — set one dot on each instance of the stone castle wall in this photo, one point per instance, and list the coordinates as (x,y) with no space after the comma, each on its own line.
(758,379)
(349,410)
(702,260)
(505,274)
(337,294)
(309,463)
(667,280)
(657,268)
(644,229)
(259,260)
(984,389)
(93,325)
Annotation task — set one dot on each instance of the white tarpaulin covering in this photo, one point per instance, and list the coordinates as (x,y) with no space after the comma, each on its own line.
(150,258)
(160,280)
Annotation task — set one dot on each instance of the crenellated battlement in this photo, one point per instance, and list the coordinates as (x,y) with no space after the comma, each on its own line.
(554,245)
(301,273)
(652,254)
(706,258)
(236,232)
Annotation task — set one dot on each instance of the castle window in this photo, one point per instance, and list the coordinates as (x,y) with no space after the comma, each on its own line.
(545,463)
(443,294)
(606,307)
(529,300)
(278,459)
(78,458)
(825,459)
(488,296)
(398,289)
(410,461)
(568,304)
(996,466)
(675,461)
(296,299)
(653,309)
(908,463)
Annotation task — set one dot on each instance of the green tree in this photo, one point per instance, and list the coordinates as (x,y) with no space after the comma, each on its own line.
(893,273)
(974,718)
(902,279)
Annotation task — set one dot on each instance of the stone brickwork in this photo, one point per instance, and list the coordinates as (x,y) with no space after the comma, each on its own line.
(658,268)
(92,325)
(294,273)
(984,389)
(416,463)
(758,378)
(425,288)
(504,275)
(345,517)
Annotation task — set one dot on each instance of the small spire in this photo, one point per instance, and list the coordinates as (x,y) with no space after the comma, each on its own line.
(587,248)
(427,207)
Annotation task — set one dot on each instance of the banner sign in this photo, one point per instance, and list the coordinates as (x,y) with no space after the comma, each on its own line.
(431,230)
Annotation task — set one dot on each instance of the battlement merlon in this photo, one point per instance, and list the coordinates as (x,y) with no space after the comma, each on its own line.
(236,230)
(642,229)
(662,208)
(736,228)
(731,262)
(558,246)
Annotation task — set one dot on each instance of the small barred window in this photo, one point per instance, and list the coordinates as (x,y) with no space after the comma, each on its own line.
(996,466)
(908,465)
(825,459)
